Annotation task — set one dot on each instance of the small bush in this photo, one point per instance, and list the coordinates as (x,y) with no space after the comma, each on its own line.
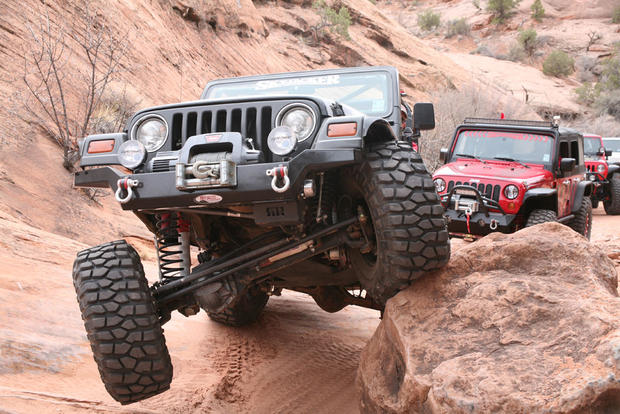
(476,4)
(338,21)
(558,64)
(429,20)
(538,11)
(586,93)
(527,40)
(502,9)
(457,27)
(516,53)
(615,17)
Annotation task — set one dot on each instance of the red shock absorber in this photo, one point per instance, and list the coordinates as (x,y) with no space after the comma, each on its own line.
(173,246)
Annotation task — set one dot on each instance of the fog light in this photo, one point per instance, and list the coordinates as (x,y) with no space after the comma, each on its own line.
(281,140)
(131,154)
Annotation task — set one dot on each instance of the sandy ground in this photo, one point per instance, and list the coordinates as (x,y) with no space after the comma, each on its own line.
(296,359)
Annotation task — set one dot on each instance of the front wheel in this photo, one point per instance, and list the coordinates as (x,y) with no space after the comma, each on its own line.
(410,235)
(539,216)
(121,322)
(582,222)
(612,204)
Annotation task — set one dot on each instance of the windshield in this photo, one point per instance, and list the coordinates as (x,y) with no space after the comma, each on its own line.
(612,144)
(368,92)
(591,145)
(517,146)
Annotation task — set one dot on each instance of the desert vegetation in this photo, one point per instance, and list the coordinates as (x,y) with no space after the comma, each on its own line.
(558,63)
(62,97)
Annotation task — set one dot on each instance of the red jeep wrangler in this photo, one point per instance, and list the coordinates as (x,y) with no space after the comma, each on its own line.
(503,175)
(604,176)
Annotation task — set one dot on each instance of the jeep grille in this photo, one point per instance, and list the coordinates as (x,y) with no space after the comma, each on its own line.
(251,122)
(487,190)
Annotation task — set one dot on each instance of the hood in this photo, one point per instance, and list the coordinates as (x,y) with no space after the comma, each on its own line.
(494,170)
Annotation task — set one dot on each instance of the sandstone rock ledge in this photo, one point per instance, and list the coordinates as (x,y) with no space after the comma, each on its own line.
(521,323)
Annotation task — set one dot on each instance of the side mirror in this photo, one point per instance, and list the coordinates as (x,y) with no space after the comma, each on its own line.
(443,155)
(601,151)
(423,116)
(567,164)
(608,152)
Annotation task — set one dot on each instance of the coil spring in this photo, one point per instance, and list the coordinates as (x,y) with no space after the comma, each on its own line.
(169,247)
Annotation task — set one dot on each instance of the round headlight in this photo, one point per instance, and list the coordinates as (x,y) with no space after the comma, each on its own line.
(300,118)
(600,168)
(281,140)
(151,131)
(511,191)
(131,154)
(440,184)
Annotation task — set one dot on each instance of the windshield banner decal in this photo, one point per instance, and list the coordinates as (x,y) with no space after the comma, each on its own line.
(511,135)
(306,80)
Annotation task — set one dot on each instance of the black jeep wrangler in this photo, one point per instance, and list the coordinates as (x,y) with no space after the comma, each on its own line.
(305,181)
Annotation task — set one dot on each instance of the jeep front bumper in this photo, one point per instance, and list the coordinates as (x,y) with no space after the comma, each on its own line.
(157,190)
(467,213)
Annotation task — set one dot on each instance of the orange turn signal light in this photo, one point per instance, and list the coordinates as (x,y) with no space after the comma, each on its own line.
(347,129)
(96,147)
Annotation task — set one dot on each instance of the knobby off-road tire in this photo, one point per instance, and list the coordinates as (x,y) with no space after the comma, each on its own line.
(122,326)
(243,312)
(582,222)
(539,216)
(407,217)
(612,206)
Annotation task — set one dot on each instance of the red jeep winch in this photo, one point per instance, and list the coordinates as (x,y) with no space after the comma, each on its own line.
(503,175)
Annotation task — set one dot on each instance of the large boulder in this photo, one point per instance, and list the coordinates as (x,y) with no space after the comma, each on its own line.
(520,323)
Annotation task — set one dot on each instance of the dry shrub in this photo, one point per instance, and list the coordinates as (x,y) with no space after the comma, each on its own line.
(604,125)
(453,106)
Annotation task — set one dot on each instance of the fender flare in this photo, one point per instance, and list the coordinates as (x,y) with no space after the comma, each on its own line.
(584,189)
(377,129)
(545,196)
(611,170)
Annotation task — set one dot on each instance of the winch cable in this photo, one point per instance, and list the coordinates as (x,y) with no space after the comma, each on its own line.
(253,261)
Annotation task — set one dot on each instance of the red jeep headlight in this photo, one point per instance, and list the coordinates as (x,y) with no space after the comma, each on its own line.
(511,191)
(440,184)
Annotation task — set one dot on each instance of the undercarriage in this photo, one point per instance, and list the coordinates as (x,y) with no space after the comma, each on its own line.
(314,263)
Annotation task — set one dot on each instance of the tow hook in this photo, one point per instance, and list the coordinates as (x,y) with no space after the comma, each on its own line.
(125,184)
(279,174)
(493,224)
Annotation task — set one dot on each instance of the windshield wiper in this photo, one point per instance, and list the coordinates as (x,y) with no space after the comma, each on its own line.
(510,160)
(471,156)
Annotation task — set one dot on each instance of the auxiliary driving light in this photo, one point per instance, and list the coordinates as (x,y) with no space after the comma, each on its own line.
(131,154)
(281,140)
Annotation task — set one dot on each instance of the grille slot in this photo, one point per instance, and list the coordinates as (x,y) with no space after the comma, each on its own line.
(251,122)
(487,190)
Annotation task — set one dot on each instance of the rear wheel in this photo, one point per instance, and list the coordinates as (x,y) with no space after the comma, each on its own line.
(612,205)
(406,223)
(121,322)
(582,223)
(539,216)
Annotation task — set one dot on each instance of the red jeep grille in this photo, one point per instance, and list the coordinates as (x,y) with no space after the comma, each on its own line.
(487,190)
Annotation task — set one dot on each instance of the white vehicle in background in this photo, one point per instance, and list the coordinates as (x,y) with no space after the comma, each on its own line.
(613,144)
